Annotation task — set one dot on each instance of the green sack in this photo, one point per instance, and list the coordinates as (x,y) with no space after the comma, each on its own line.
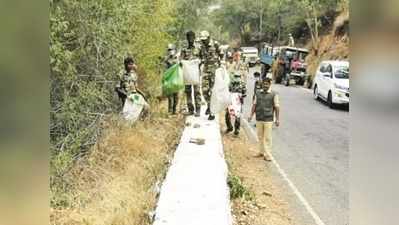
(172,80)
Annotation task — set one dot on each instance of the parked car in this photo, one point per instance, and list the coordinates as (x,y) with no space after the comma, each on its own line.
(331,82)
(250,55)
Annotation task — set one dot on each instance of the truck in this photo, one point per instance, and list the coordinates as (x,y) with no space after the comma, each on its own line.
(250,55)
(293,64)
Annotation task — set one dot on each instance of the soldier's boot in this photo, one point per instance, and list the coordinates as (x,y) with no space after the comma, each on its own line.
(190,109)
(198,112)
(208,111)
(211,117)
(175,102)
(228,122)
(174,109)
(170,104)
(237,126)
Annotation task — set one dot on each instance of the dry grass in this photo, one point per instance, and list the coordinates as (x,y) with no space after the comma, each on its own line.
(114,185)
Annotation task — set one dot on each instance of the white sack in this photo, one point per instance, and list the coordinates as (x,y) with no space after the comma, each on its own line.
(134,105)
(220,97)
(191,72)
(235,106)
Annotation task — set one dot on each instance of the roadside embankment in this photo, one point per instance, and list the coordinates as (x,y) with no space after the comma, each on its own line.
(115,183)
(255,198)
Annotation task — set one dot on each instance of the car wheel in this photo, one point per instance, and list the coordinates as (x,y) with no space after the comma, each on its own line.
(301,81)
(329,100)
(316,93)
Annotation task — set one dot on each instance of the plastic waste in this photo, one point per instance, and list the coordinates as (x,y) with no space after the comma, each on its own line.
(191,73)
(220,97)
(134,105)
(172,80)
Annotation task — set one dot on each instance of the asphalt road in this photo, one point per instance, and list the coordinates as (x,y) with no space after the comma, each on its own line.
(312,147)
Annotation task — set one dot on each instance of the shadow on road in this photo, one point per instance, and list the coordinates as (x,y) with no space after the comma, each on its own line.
(343,107)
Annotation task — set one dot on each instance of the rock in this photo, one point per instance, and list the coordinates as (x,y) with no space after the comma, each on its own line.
(261,206)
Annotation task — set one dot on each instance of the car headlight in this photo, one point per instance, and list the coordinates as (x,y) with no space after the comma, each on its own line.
(342,88)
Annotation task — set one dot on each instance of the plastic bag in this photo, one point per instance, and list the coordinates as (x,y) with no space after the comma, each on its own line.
(172,80)
(220,97)
(134,105)
(235,106)
(249,131)
(191,73)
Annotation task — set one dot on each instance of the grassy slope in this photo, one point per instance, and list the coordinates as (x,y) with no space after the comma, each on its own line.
(115,183)
(332,46)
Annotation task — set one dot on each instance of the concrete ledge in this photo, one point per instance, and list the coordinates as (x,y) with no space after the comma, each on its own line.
(195,190)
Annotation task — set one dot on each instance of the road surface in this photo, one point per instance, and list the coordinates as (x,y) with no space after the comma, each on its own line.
(312,148)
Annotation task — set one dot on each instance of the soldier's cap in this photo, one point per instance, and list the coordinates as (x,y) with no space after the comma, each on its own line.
(204,35)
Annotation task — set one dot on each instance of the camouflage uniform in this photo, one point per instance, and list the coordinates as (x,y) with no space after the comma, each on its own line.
(127,85)
(211,62)
(189,53)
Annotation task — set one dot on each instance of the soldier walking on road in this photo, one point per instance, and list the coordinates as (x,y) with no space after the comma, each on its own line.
(210,60)
(266,106)
(190,52)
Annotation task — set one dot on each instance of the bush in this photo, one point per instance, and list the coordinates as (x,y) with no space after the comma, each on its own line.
(88,42)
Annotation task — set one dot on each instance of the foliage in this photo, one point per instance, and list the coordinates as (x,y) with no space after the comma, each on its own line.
(191,14)
(271,20)
(88,42)
(237,189)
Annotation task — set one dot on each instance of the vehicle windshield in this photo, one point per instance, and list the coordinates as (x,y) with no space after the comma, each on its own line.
(342,72)
(292,54)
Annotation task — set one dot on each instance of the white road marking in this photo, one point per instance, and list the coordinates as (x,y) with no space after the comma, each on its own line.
(301,198)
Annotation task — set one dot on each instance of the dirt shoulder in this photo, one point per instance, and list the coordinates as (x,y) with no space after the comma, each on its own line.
(264,204)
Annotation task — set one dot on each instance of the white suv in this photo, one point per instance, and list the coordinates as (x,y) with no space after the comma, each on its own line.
(332,82)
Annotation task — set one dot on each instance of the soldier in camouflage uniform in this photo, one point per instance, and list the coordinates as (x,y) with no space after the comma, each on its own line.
(237,85)
(210,60)
(127,80)
(190,52)
(170,60)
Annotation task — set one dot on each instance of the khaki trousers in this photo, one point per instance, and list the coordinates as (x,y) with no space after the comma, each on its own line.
(264,131)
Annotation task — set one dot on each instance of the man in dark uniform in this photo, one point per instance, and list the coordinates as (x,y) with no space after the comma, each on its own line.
(190,52)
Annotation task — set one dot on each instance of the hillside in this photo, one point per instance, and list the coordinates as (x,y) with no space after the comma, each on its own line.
(332,46)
